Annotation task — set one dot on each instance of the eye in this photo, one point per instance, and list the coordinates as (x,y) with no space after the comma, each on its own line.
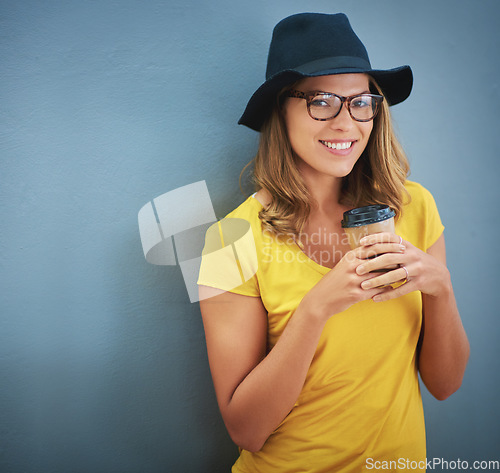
(321,101)
(324,106)
(361,101)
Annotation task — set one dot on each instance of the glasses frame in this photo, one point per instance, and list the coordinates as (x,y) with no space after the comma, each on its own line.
(308,96)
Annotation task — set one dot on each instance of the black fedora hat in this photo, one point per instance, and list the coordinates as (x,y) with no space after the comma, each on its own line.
(318,44)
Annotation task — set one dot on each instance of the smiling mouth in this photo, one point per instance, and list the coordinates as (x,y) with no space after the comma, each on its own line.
(343,145)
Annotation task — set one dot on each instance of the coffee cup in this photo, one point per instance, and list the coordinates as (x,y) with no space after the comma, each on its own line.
(362,221)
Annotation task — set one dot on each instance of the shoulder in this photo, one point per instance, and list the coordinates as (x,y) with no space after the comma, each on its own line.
(230,256)
(233,226)
(247,210)
(417,190)
(420,222)
(419,197)
(263,196)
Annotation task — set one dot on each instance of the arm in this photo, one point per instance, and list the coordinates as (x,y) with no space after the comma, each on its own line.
(444,349)
(256,390)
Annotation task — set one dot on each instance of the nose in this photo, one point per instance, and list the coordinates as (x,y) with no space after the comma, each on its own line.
(343,121)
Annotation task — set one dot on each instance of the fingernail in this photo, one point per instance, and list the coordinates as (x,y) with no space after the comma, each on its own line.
(361,270)
(402,248)
(366,284)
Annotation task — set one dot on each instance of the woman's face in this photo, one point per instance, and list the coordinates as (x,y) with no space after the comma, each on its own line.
(327,148)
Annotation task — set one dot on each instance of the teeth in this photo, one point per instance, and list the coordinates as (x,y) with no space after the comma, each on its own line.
(344,145)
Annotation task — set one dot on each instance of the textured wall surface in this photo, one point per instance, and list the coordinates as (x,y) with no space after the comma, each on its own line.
(107,104)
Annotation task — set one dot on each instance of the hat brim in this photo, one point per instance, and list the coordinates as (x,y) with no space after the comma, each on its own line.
(396,84)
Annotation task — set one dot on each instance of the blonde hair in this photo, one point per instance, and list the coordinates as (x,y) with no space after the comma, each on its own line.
(378,176)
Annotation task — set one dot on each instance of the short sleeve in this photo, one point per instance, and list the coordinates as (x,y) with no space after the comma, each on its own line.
(434,225)
(229,258)
(421,221)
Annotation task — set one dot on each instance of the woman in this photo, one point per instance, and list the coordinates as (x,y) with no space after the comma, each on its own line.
(315,358)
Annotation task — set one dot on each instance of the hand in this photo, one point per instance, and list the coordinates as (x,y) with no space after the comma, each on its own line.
(416,269)
(342,286)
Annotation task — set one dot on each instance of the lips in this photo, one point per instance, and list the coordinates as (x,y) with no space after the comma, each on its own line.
(338,145)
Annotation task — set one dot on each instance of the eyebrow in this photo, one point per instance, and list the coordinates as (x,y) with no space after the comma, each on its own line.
(333,93)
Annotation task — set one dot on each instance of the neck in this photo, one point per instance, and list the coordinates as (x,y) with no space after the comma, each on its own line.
(325,193)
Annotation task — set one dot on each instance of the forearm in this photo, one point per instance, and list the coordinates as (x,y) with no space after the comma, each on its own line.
(444,350)
(268,393)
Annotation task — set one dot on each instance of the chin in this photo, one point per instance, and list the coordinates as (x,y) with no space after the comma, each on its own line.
(345,172)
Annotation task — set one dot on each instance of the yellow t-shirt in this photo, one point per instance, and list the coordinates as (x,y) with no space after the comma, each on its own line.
(361,401)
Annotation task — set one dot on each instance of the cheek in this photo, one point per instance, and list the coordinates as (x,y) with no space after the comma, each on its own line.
(295,130)
(300,137)
(300,127)
(297,120)
(368,129)
(290,119)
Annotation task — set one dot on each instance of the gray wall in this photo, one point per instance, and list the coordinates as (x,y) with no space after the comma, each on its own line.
(108,104)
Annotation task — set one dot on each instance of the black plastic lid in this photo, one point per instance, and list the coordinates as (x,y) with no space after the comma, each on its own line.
(367,215)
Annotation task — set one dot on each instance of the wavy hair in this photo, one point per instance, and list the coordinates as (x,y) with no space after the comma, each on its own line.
(378,176)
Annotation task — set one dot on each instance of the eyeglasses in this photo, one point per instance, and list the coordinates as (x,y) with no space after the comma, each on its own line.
(324,106)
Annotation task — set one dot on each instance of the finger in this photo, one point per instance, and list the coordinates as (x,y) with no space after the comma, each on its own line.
(387,261)
(384,237)
(352,257)
(370,251)
(385,279)
(377,249)
(390,292)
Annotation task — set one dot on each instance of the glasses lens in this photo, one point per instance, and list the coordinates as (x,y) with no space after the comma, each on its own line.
(363,107)
(324,106)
